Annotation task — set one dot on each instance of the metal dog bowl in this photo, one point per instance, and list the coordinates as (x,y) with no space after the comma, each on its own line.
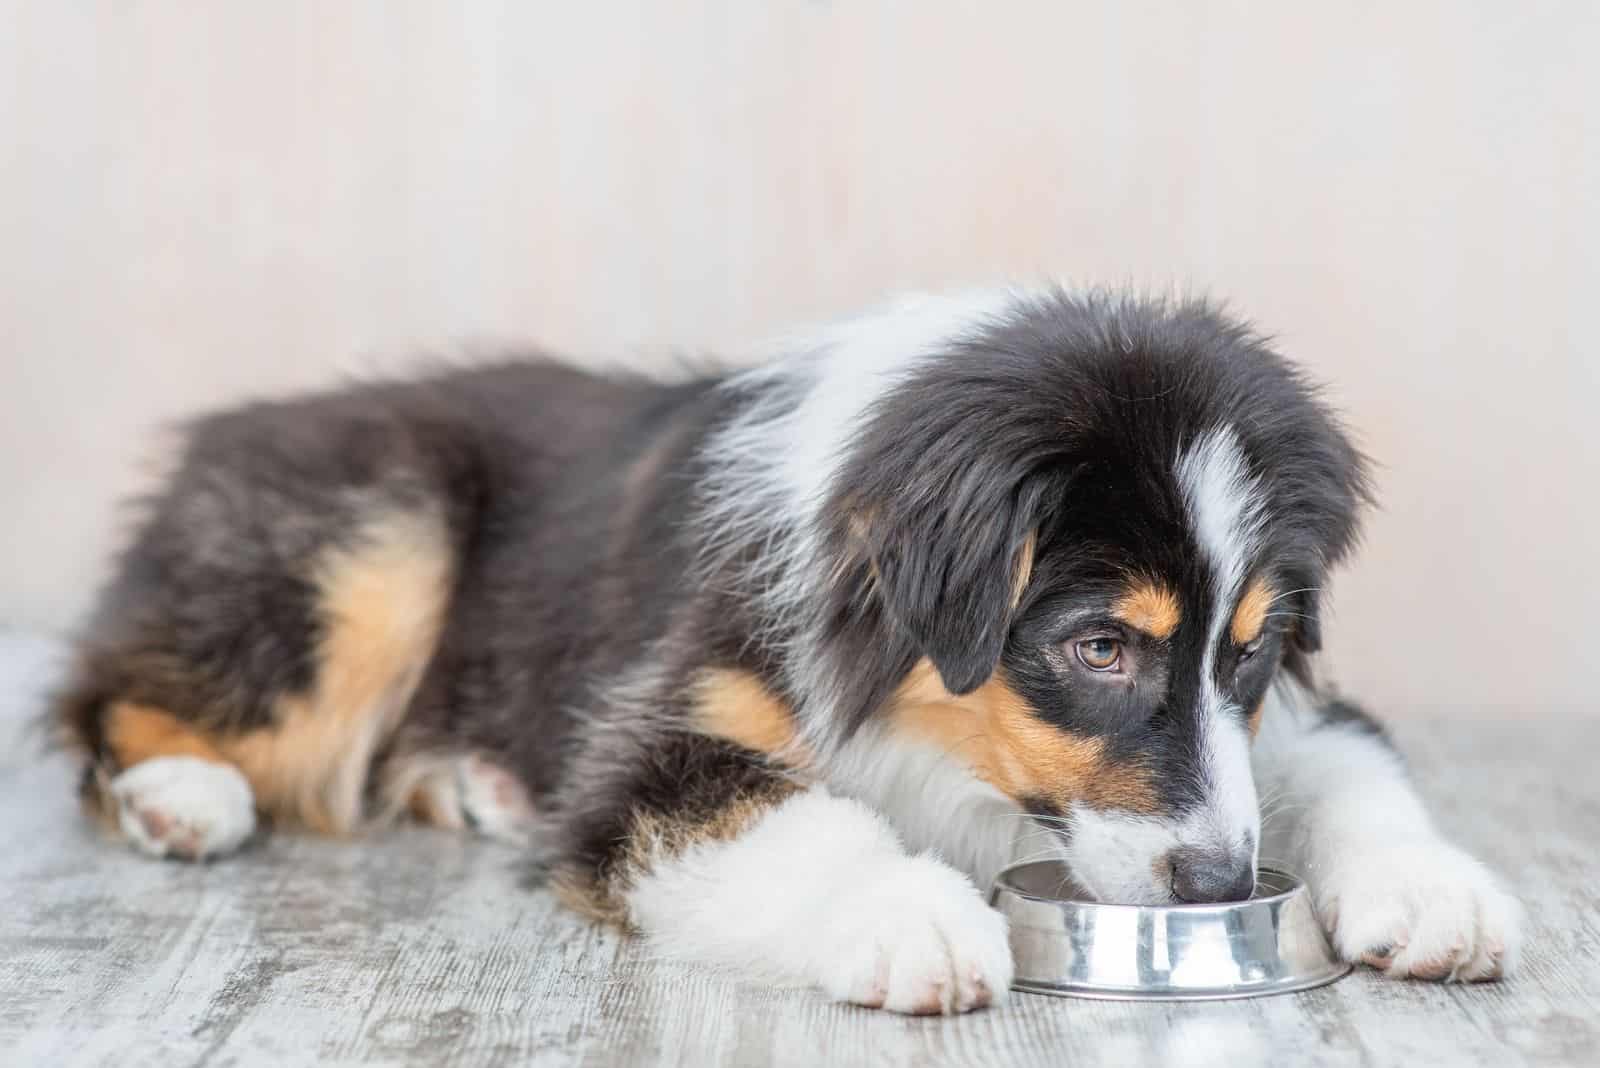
(1271,944)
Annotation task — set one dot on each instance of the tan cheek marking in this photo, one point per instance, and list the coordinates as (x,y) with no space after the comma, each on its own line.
(736,706)
(383,600)
(1251,615)
(994,732)
(1149,607)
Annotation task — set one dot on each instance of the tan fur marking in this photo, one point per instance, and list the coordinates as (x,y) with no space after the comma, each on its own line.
(1149,607)
(597,898)
(383,600)
(1019,584)
(1254,721)
(995,732)
(1251,615)
(136,733)
(652,838)
(427,805)
(858,553)
(735,706)
(423,784)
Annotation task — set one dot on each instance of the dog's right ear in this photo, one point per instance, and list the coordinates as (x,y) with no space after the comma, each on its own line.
(935,516)
(950,579)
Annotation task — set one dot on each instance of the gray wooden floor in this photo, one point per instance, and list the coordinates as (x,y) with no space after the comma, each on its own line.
(420,948)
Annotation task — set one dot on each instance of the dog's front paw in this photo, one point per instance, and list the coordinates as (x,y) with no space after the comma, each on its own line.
(916,937)
(1421,909)
(185,807)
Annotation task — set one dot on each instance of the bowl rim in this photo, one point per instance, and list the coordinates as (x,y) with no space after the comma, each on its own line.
(1297,886)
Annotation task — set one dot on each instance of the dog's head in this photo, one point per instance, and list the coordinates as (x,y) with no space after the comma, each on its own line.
(1085,535)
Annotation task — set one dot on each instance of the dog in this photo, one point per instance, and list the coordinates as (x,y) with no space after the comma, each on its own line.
(779,667)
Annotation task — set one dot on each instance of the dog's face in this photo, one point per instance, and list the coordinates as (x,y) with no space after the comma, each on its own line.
(1153,624)
(1102,531)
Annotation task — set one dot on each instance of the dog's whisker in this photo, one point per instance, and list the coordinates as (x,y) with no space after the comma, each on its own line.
(1032,858)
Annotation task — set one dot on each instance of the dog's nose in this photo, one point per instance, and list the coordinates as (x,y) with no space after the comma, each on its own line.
(1212,874)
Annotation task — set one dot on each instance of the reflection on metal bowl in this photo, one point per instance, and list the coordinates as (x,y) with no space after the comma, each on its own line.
(1270,944)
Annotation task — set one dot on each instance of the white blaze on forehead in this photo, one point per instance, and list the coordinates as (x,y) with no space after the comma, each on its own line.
(1225,510)
(1224,506)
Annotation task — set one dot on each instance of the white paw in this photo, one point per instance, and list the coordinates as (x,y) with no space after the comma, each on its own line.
(493,800)
(184,807)
(914,936)
(1421,909)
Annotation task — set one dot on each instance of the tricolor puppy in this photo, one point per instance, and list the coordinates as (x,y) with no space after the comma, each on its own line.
(778,668)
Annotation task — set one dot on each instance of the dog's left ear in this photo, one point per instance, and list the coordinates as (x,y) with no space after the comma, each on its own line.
(951,568)
(1307,632)
(1304,639)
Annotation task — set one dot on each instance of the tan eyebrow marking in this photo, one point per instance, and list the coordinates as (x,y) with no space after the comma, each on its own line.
(1150,607)
(1251,614)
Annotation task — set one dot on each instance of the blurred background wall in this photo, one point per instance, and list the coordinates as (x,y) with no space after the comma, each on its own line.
(203,202)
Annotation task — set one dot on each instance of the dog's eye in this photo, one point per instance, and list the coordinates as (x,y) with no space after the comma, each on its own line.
(1100,654)
(1250,649)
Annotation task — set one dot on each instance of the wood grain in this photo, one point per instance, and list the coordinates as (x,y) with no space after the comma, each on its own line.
(423,948)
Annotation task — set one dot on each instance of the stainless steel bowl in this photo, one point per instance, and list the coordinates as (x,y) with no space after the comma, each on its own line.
(1271,944)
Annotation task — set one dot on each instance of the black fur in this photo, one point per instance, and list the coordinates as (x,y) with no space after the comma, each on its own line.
(1346,714)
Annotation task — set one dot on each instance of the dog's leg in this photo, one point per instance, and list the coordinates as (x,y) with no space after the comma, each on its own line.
(797,886)
(819,890)
(177,795)
(1394,893)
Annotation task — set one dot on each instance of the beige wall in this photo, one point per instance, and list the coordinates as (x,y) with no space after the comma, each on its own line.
(202,202)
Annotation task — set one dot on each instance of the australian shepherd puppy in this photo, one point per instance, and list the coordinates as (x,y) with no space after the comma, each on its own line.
(778,668)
